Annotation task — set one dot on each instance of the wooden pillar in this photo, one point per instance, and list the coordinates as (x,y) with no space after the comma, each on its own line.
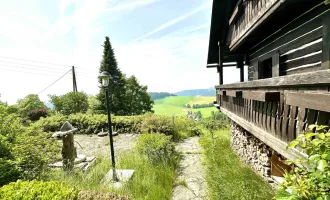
(256,71)
(220,71)
(326,41)
(276,65)
(220,67)
(240,66)
(68,152)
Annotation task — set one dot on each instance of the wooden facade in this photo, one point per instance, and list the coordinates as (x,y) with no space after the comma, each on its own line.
(287,53)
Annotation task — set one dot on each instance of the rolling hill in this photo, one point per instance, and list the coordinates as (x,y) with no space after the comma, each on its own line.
(174,105)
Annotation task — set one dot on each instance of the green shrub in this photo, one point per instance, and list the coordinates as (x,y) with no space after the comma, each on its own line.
(310,179)
(157,147)
(37,190)
(24,151)
(52,123)
(213,125)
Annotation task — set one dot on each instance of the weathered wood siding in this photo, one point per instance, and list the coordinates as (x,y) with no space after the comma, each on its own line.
(302,46)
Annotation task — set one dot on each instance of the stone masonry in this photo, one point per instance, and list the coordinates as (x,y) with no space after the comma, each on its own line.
(252,151)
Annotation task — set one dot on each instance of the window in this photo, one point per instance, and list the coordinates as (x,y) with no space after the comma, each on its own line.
(265,69)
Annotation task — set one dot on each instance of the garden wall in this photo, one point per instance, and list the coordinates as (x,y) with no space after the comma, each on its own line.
(254,152)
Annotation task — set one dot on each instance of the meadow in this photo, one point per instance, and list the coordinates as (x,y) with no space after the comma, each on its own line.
(174,105)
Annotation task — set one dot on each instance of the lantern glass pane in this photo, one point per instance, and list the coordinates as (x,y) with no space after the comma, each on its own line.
(105,82)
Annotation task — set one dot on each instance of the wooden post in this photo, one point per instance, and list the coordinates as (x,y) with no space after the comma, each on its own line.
(68,152)
(240,65)
(256,71)
(276,65)
(220,67)
(74,80)
(326,41)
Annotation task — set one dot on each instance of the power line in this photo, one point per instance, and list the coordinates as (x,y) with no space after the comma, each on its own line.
(30,65)
(54,82)
(30,68)
(24,72)
(33,61)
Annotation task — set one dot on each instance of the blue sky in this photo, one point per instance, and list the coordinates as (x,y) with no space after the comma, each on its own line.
(162,42)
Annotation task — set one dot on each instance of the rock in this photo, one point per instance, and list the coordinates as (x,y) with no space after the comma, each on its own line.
(81,165)
(80,158)
(57,135)
(103,134)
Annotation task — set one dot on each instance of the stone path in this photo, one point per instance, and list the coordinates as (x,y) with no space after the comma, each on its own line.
(93,145)
(190,181)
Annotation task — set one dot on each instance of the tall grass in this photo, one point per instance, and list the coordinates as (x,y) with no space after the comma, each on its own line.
(150,180)
(227,177)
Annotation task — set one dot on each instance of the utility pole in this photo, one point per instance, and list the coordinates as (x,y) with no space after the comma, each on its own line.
(74,80)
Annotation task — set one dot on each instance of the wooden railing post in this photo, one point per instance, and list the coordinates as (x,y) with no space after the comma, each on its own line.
(240,65)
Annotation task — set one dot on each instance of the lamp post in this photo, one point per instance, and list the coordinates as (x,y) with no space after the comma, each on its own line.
(105,77)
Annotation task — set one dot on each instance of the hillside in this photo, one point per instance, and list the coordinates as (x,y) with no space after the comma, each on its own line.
(175,105)
(160,95)
(197,92)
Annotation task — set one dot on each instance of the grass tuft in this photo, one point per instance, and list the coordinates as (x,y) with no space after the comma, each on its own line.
(228,177)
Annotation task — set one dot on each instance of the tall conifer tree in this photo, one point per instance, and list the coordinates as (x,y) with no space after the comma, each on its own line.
(117,82)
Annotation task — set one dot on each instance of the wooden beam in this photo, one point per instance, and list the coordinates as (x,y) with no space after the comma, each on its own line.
(240,66)
(321,77)
(276,65)
(232,93)
(326,41)
(262,96)
(270,140)
(220,71)
(307,100)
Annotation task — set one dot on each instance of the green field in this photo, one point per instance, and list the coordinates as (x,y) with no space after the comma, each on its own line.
(175,105)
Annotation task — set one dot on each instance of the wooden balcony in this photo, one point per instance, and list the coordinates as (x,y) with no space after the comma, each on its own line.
(276,110)
(247,15)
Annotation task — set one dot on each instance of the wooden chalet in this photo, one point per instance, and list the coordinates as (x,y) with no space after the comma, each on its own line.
(286,46)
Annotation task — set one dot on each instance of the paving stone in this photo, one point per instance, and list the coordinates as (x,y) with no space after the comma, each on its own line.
(191,171)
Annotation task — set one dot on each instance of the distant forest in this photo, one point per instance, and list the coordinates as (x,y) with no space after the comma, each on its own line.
(160,95)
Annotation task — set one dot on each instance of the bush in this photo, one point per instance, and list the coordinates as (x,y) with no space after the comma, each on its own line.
(70,103)
(156,147)
(35,115)
(310,179)
(24,152)
(37,190)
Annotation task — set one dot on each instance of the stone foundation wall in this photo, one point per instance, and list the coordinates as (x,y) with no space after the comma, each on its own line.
(252,151)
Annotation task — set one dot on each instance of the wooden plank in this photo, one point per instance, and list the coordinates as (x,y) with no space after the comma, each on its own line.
(274,118)
(285,123)
(220,71)
(302,115)
(262,96)
(233,93)
(303,70)
(264,115)
(305,39)
(269,116)
(310,49)
(279,119)
(307,100)
(292,123)
(303,61)
(307,79)
(273,142)
(299,33)
(276,65)
(326,41)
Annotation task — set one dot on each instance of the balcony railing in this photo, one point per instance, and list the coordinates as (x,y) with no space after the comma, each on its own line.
(276,110)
